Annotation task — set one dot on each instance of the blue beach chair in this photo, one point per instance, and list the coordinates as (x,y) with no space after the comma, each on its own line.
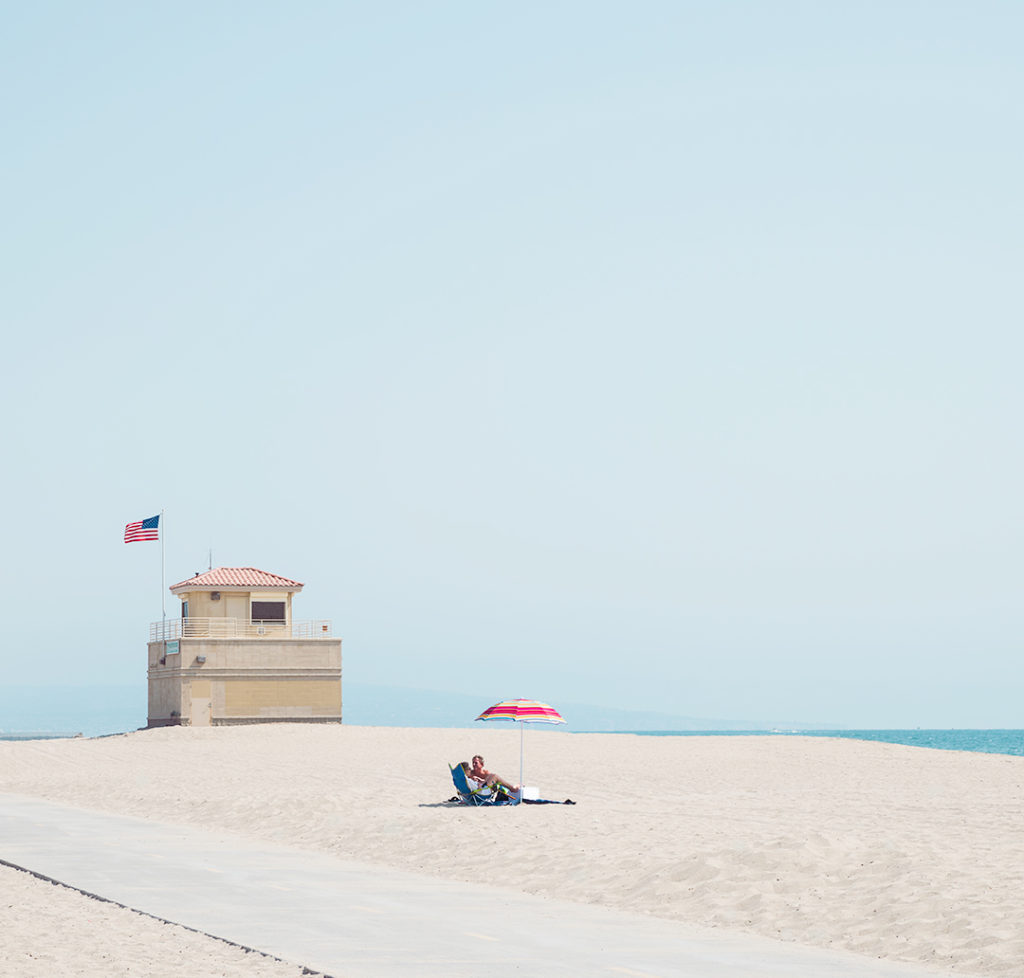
(478,796)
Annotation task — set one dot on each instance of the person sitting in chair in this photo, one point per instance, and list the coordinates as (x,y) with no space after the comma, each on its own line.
(474,783)
(479,773)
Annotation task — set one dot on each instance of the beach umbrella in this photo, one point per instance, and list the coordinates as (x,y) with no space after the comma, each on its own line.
(522,712)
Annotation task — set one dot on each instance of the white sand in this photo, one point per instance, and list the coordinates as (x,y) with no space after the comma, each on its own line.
(49,931)
(888,851)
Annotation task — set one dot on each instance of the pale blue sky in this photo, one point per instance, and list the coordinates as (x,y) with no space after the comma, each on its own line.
(655,354)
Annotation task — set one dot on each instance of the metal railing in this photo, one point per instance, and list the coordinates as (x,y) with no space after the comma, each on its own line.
(172,628)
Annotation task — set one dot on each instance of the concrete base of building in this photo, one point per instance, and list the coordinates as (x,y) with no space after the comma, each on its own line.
(152,723)
(237,721)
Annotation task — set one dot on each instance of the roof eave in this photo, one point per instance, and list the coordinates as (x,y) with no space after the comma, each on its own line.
(236,587)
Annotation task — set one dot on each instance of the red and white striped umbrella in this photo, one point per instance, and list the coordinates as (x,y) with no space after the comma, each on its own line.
(522,712)
(525,711)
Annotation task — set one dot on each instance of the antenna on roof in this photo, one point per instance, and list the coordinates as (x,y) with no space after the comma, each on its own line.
(210,567)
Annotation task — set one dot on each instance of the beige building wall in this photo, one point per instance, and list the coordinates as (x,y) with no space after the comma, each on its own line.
(281,698)
(164,688)
(232,604)
(222,681)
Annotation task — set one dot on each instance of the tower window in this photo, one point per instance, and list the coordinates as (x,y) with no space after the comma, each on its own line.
(268,611)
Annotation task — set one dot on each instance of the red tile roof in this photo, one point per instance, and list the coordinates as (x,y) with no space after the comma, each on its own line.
(241,577)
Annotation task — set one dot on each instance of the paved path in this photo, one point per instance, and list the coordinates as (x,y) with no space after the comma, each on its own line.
(352,920)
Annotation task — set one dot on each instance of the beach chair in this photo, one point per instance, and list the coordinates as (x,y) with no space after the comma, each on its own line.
(478,796)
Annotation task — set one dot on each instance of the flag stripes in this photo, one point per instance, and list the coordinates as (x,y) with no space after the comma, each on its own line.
(142,530)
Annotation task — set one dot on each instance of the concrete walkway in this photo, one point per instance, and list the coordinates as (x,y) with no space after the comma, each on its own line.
(351,920)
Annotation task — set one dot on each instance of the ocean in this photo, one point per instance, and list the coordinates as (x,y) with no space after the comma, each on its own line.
(41,735)
(981,741)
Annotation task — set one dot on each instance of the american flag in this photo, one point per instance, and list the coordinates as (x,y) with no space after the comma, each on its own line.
(143,530)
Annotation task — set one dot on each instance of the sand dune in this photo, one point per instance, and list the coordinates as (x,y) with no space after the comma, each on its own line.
(888,851)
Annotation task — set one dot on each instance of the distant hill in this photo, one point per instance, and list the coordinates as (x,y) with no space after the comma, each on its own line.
(97,710)
(89,710)
(394,706)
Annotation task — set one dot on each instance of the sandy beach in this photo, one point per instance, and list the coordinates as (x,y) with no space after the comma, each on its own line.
(48,930)
(888,851)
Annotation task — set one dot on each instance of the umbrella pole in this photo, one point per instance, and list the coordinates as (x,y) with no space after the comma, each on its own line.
(522,728)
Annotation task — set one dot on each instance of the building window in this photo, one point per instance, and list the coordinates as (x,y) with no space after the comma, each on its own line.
(268,611)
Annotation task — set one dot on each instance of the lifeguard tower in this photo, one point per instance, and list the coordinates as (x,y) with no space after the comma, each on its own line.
(236,655)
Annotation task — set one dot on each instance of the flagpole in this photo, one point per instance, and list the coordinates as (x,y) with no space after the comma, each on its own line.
(163,599)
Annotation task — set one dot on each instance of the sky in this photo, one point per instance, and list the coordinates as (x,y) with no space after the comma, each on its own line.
(655,355)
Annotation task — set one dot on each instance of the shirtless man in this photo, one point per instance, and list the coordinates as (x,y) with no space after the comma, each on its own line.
(487,777)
